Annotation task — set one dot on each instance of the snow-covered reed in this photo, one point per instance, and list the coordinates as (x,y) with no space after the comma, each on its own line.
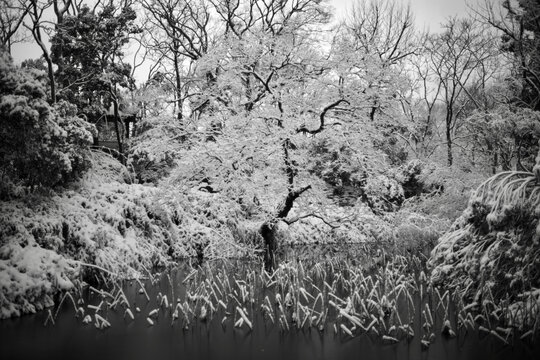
(392,301)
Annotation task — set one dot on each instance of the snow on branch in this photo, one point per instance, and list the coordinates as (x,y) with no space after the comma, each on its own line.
(300,217)
(322,116)
(287,205)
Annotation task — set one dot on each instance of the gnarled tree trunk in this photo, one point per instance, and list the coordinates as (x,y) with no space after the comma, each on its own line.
(268,229)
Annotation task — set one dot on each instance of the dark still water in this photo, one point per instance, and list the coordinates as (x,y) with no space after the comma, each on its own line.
(205,329)
(27,338)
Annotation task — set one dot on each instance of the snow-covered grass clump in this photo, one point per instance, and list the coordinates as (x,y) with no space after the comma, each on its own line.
(492,254)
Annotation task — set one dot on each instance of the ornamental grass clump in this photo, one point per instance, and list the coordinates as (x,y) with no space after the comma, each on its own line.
(492,254)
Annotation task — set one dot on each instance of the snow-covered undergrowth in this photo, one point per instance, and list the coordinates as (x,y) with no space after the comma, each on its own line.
(438,191)
(45,238)
(101,226)
(491,258)
(29,276)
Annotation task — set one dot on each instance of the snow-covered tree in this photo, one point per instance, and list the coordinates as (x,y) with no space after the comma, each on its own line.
(89,47)
(40,144)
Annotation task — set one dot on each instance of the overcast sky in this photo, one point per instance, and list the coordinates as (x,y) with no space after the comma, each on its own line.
(428,14)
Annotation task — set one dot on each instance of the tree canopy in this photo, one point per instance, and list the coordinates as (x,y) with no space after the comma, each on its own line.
(88,47)
(41,144)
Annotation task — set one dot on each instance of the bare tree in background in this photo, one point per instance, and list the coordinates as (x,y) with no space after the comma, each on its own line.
(37,27)
(12,14)
(455,56)
(422,108)
(41,29)
(177,31)
(386,30)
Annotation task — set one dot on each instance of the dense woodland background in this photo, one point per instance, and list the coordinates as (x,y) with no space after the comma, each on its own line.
(264,123)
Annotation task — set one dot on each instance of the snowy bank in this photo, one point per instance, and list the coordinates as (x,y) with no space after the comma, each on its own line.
(47,239)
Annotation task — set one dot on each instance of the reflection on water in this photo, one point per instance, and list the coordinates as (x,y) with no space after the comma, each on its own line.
(216,337)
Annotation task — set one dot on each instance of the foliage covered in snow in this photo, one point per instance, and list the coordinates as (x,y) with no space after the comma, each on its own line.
(40,144)
(29,276)
(383,193)
(101,226)
(492,252)
(45,239)
(151,159)
(437,191)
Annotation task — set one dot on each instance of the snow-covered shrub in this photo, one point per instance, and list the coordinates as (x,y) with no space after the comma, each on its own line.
(29,277)
(498,130)
(493,250)
(39,144)
(106,169)
(79,136)
(208,223)
(390,145)
(408,176)
(153,160)
(445,191)
(335,163)
(415,232)
(383,194)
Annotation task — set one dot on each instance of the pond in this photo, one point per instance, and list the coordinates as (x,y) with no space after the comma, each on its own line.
(328,307)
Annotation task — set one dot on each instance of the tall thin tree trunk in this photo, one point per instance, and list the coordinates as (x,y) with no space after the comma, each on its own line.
(117,130)
(449,116)
(52,81)
(35,15)
(249,93)
(50,70)
(494,158)
(372,113)
(449,146)
(178,88)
